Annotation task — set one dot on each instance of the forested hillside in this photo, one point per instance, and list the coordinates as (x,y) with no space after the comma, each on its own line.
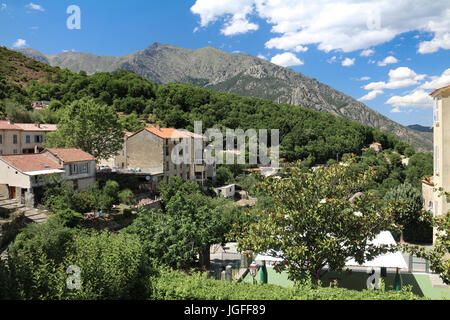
(304,133)
(241,74)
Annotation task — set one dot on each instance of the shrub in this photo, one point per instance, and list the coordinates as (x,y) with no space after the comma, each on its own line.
(111,266)
(126,196)
(68,217)
(174,285)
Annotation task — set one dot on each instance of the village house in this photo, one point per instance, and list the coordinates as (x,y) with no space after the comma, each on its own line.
(226,191)
(79,166)
(22,138)
(40,105)
(150,150)
(377,147)
(24,177)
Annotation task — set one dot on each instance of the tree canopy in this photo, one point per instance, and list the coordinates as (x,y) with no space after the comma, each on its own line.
(90,126)
(312,222)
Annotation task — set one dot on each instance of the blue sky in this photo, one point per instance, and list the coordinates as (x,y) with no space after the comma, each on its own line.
(340,44)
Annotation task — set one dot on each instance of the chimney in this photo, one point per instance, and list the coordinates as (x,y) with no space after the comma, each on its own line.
(36,149)
(10,121)
(37,124)
(158,127)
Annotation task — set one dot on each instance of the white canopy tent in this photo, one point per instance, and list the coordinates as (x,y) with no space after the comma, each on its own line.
(388,260)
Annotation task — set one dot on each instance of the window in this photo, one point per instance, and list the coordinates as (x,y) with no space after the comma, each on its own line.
(167,151)
(436,111)
(436,159)
(123,153)
(15,151)
(15,139)
(79,168)
(38,139)
(28,139)
(1,151)
(1,139)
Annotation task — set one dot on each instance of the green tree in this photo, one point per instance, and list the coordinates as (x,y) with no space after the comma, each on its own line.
(93,127)
(131,122)
(173,185)
(224,176)
(312,222)
(410,209)
(438,255)
(190,223)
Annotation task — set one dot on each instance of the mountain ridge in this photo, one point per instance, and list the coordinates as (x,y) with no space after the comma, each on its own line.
(242,74)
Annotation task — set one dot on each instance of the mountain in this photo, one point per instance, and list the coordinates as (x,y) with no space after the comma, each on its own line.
(242,74)
(420,128)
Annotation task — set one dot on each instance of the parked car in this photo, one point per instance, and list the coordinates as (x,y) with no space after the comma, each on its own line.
(103,169)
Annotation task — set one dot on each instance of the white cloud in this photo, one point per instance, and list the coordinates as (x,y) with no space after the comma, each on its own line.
(417,98)
(395,110)
(300,49)
(346,25)
(36,7)
(348,62)
(211,10)
(364,78)
(238,25)
(437,81)
(286,59)
(387,60)
(20,43)
(3,6)
(332,59)
(371,95)
(420,96)
(401,77)
(441,39)
(367,53)
(262,56)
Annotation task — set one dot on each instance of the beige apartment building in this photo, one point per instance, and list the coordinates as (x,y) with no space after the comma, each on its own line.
(150,149)
(23,138)
(441,154)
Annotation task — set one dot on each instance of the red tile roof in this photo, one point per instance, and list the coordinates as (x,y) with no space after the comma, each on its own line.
(31,162)
(70,154)
(35,127)
(438,90)
(169,133)
(5,125)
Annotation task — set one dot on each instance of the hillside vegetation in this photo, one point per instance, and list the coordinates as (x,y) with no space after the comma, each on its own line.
(242,74)
(304,133)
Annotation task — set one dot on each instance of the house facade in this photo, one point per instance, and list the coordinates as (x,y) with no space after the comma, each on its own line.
(23,138)
(79,166)
(226,191)
(441,155)
(150,150)
(22,177)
